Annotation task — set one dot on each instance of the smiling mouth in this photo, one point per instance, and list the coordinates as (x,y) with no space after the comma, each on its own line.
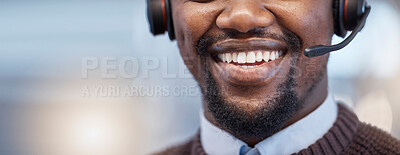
(249,60)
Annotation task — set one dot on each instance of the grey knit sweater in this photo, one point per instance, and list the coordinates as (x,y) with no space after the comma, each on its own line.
(347,136)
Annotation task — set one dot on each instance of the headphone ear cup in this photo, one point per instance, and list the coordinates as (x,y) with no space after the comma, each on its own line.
(338,17)
(347,15)
(170,21)
(354,9)
(155,16)
(159,16)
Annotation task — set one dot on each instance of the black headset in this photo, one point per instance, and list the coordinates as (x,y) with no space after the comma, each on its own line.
(159,15)
(348,15)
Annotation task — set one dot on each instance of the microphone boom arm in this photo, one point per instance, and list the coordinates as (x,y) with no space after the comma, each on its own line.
(319,50)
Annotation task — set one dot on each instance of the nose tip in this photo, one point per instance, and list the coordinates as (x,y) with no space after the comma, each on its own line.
(244,18)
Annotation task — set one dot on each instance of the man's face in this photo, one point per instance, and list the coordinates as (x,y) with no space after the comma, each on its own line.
(247,56)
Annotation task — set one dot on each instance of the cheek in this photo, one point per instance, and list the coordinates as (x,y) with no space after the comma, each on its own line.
(312,68)
(317,27)
(191,21)
(314,28)
(312,72)
(311,20)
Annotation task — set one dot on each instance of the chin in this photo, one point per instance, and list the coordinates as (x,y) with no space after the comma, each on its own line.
(252,117)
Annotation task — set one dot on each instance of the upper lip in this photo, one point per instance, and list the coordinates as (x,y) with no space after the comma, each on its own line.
(255,44)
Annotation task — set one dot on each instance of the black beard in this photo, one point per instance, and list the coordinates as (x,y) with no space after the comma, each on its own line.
(262,122)
(265,120)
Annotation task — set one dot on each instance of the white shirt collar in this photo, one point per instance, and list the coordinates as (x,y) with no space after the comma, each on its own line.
(292,139)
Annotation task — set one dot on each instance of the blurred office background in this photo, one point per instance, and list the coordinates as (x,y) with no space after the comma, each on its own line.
(43,109)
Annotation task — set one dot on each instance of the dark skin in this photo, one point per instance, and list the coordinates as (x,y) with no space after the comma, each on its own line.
(310,20)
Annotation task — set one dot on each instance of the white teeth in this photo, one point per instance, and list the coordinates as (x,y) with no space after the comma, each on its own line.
(247,67)
(251,57)
(266,56)
(235,57)
(220,56)
(259,56)
(272,57)
(228,57)
(242,57)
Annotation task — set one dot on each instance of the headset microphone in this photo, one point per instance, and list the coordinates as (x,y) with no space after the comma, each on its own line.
(319,50)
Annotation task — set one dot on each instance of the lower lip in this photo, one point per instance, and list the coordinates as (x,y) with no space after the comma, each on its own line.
(254,76)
